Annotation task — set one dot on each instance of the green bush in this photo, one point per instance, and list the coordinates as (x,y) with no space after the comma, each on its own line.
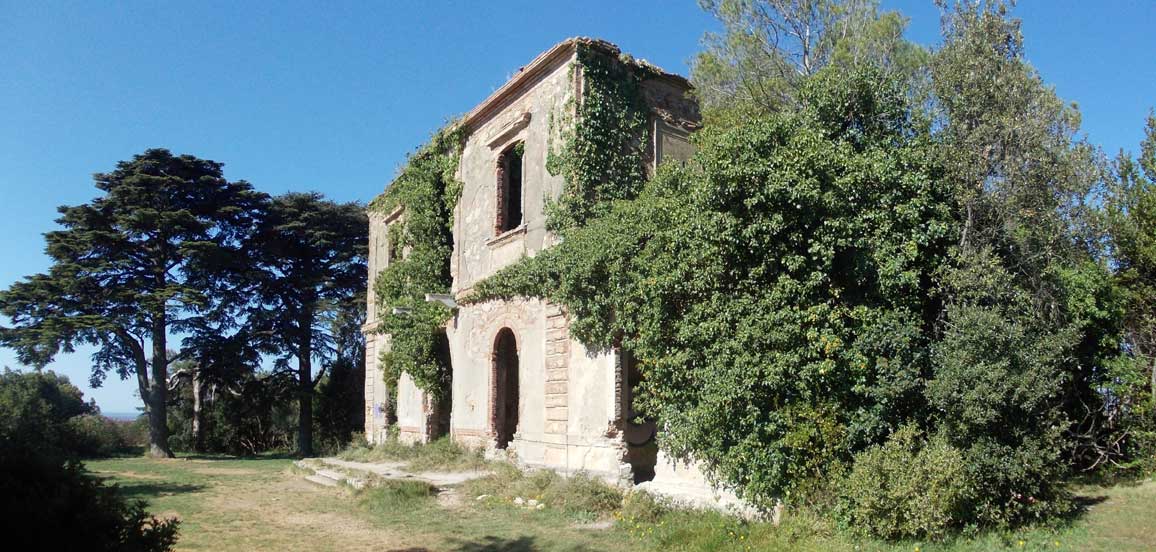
(909,487)
(96,436)
(63,507)
(643,507)
(44,490)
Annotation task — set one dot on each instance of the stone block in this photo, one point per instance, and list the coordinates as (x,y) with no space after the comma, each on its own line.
(557,335)
(557,374)
(555,456)
(557,413)
(556,387)
(560,399)
(557,428)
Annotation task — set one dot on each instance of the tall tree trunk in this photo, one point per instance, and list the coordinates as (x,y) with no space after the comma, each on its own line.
(305,388)
(198,412)
(158,394)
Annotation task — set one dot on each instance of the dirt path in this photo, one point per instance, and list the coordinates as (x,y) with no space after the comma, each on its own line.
(247,505)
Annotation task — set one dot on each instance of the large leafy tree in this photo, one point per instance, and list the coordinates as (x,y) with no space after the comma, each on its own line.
(872,259)
(131,267)
(312,256)
(1131,217)
(809,240)
(769,48)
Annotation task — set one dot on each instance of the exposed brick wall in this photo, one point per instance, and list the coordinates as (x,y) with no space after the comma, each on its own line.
(500,199)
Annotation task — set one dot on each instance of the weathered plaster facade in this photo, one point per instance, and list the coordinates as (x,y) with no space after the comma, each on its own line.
(572,404)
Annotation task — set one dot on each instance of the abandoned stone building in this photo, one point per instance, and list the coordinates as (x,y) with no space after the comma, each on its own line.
(520,385)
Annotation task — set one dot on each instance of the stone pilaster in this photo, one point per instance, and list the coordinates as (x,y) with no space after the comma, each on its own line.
(557,370)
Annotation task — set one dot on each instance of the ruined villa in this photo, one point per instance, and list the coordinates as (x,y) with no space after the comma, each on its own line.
(522,387)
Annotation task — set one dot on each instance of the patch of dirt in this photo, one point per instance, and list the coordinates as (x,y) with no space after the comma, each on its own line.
(226,471)
(169,514)
(279,504)
(449,498)
(129,474)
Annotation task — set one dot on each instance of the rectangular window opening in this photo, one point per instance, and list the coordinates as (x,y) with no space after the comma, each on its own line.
(510,189)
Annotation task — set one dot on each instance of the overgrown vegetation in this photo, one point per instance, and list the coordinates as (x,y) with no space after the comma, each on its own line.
(819,277)
(47,496)
(440,455)
(602,138)
(420,244)
(579,495)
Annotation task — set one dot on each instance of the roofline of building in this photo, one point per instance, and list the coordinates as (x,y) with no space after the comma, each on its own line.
(540,66)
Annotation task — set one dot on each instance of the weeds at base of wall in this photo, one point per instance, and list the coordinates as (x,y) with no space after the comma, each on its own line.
(440,455)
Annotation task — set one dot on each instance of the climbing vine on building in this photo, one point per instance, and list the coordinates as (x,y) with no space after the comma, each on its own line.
(601,155)
(601,158)
(420,244)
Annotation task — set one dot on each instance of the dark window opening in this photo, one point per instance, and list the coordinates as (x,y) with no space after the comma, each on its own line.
(509,189)
(505,391)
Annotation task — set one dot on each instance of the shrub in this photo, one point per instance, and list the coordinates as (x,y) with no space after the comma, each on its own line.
(45,491)
(643,507)
(96,436)
(63,507)
(909,487)
(35,409)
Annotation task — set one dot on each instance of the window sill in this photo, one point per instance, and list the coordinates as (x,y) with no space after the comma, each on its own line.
(507,236)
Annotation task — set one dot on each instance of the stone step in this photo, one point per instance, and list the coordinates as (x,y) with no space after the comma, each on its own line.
(319,480)
(322,475)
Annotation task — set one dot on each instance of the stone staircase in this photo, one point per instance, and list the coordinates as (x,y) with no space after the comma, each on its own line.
(332,472)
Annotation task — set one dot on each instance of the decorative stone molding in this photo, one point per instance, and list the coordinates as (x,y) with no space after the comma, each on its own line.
(504,135)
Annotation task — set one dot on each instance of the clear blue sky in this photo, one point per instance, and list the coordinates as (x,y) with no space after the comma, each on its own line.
(330,96)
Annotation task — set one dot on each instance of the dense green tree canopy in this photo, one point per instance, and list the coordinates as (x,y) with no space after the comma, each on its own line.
(1131,224)
(311,254)
(887,253)
(769,48)
(130,267)
(809,238)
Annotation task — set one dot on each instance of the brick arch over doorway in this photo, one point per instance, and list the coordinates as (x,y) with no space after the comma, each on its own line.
(504,387)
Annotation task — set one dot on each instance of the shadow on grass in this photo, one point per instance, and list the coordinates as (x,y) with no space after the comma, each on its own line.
(215,456)
(153,489)
(497,544)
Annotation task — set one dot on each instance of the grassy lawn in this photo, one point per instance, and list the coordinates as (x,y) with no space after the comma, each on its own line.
(262,504)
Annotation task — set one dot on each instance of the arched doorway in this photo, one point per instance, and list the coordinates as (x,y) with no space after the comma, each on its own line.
(505,388)
(441,411)
(639,432)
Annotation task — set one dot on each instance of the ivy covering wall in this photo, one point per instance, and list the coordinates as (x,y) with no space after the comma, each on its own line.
(421,244)
(601,156)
